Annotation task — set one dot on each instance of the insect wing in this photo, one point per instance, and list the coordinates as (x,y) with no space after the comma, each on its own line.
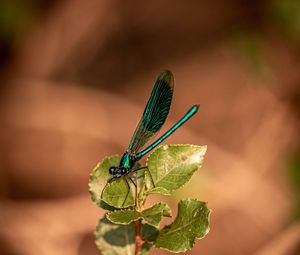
(155,113)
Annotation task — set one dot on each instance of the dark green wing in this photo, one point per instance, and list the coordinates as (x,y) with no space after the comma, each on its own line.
(155,113)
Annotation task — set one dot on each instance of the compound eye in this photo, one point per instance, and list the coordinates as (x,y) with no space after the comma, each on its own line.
(123,170)
(112,170)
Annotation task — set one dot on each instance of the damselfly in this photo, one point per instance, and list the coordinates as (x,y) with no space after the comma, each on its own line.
(153,118)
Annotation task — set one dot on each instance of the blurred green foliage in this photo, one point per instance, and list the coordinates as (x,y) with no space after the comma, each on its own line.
(15,17)
(248,44)
(286,15)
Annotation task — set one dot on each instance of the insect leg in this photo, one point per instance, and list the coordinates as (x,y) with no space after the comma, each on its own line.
(136,193)
(127,191)
(145,167)
(109,181)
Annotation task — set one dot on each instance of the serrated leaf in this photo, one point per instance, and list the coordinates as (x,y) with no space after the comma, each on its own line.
(123,216)
(191,222)
(171,166)
(99,177)
(118,193)
(115,194)
(114,239)
(152,215)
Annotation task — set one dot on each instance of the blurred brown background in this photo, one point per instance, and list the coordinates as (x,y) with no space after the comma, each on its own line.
(75,77)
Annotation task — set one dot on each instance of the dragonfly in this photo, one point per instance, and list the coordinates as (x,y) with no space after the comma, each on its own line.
(153,118)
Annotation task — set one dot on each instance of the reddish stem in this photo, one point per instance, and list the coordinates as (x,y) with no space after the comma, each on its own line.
(138,237)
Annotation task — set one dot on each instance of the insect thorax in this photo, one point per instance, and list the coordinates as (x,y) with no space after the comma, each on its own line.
(127,160)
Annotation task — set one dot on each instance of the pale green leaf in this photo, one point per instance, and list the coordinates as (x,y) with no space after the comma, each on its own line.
(116,193)
(99,177)
(191,222)
(119,193)
(152,215)
(114,239)
(171,166)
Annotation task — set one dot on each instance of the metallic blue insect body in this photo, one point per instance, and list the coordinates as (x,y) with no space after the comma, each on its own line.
(154,116)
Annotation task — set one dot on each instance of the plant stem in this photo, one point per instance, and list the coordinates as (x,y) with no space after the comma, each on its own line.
(138,226)
(138,237)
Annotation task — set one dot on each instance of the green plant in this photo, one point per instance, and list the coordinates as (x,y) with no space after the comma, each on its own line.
(128,227)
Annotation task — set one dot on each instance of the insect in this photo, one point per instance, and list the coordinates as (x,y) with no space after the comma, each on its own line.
(154,116)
